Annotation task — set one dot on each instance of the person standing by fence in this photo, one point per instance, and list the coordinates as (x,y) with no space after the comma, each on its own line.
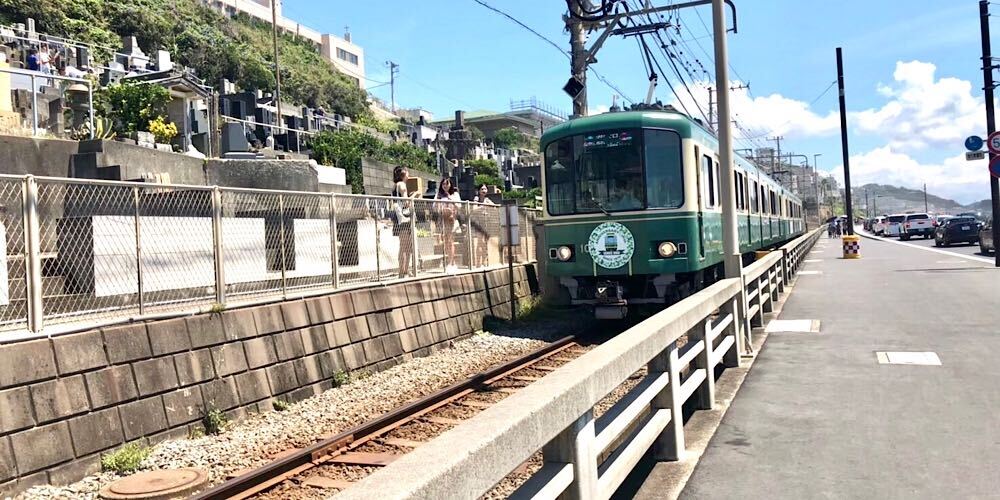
(481,216)
(403,214)
(447,212)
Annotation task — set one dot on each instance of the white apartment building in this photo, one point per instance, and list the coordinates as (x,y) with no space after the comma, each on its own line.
(347,57)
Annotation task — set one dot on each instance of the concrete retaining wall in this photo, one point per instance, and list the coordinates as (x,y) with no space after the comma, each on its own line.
(66,400)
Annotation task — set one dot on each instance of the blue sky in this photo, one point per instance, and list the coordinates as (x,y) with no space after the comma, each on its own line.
(912,72)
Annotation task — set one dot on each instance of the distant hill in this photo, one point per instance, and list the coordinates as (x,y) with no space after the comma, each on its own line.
(901,199)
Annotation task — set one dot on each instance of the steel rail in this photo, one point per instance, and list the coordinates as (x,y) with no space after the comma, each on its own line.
(273,473)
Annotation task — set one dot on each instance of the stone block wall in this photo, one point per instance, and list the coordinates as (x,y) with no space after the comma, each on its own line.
(66,400)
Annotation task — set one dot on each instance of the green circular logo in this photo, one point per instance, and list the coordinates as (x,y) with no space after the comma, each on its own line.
(611,245)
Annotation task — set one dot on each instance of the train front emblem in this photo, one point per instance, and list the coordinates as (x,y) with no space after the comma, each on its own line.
(611,245)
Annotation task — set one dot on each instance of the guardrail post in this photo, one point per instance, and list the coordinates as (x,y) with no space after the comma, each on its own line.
(705,394)
(758,318)
(220,267)
(731,358)
(767,305)
(575,446)
(32,254)
(670,444)
(334,247)
(784,271)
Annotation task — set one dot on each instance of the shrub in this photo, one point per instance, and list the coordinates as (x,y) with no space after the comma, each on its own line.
(280,405)
(163,132)
(340,377)
(215,421)
(125,460)
(133,107)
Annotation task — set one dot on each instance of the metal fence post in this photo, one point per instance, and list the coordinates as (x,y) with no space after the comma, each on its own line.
(468,234)
(34,107)
(413,239)
(138,250)
(90,104)
(281,220)
(575,446)
(334,248)
(220,259)
(32,254)
(378,246)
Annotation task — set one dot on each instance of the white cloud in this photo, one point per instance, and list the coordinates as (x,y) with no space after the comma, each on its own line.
(764,116)
(954,177)
(923,111)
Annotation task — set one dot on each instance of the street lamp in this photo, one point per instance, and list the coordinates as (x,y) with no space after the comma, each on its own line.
(816,179)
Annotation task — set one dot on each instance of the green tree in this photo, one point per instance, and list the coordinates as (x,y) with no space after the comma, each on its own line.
(345,148)
(484,167)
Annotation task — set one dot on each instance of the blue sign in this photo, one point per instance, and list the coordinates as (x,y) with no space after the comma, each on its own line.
(995,167)
(974,143)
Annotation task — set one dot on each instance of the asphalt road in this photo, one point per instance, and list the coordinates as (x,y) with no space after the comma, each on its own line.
(820,417)
(960,249)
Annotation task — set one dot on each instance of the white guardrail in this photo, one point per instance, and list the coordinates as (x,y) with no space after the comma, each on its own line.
(585,455)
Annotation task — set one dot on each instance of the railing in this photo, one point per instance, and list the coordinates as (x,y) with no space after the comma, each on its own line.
(81,253)
(584,454)
(35,81)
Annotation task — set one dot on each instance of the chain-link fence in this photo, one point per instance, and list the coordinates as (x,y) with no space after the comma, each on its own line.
(95,252)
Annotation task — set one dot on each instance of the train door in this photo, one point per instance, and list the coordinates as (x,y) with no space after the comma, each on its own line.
(700,187)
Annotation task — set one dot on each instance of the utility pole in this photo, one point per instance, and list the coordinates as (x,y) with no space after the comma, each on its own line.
(925,198)
(277,70)
(867,209)
(578,55)
(393,70)
(730,234)
(988,86)
(777,158)
(848,207)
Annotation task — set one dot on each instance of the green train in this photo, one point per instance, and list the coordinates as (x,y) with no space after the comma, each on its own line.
(633,210)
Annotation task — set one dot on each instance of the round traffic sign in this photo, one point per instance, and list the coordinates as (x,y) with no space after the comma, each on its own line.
(995,167)
(994,143)
(974,143)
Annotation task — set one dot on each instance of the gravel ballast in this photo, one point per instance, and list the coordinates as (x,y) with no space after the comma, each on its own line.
(254,441)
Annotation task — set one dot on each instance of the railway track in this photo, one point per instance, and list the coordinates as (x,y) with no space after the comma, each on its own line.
(335,462)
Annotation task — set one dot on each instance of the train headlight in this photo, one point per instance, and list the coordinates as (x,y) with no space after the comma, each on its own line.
(667,249)
(564,253)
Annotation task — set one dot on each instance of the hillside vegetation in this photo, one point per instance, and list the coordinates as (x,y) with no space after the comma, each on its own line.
(198,37)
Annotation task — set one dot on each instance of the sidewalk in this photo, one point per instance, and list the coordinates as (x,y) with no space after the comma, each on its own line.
(819,417)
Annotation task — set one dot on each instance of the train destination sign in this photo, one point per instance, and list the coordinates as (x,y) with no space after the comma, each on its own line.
(611,245)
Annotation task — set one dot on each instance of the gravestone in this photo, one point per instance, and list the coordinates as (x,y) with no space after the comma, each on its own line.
(234,140)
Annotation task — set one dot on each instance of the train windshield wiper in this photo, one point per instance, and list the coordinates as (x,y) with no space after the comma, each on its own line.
(599,206)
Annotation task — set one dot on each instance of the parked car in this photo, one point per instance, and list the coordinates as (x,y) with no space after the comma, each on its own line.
(957,230)
(917,225)
(894,225)
(986,243)
(878,226)
(939,220)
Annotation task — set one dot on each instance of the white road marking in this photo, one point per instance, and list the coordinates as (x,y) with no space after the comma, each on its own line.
(809,273)
(935,250)
(793,326)
(812,261)
(908,358)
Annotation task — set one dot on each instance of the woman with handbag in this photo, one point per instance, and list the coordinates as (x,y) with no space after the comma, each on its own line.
(402,215)
(448,220)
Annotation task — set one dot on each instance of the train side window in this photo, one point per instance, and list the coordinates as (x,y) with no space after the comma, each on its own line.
(708,173)
(664,172)
(754,205)
(739,190)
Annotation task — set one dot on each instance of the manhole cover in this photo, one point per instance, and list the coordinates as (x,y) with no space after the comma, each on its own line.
(156,485)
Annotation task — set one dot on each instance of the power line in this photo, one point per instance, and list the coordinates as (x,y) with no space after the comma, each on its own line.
(599,76)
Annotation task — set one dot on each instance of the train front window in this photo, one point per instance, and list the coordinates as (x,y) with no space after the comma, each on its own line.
(607,172)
